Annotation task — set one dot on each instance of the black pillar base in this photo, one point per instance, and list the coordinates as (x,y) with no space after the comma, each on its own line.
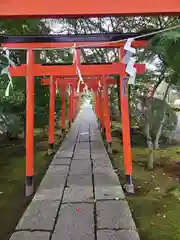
(69,124)
(29,186)
(63,131)
(103,132)
(109,148)
(99,124)
(129,187)
(51,149)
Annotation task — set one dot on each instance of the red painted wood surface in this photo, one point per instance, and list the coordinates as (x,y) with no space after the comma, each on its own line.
(70,70)
(77,8)
(63,107)
(30,115)
(107,115)
(52,90)
(55,45)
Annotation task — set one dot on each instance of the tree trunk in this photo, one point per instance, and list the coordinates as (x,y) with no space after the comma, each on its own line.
(147,106)
(158,134)
(150,163)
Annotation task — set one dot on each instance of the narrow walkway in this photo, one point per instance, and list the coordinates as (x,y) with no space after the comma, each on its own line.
(80,197)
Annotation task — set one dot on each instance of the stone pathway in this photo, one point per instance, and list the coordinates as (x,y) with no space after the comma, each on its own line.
(80,197)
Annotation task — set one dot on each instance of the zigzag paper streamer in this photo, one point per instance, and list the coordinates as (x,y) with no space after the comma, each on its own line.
(128,47)
(6,71)
(127,56)
(130,69)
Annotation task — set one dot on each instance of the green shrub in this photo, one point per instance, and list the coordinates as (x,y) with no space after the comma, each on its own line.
(10,125)
(156,117)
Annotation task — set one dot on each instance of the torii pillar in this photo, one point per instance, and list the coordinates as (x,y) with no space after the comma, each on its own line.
(126,127)
(106,116)
(52,93)
(30,124)
(63,109)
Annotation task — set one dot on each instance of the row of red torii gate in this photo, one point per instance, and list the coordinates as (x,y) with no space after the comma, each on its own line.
(96,77)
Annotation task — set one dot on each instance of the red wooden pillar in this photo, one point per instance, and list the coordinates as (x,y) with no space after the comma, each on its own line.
(98,103)
(63,109)
(95,103)
(75,105)
(72,104)
(74,98)
(126,129)
(52,91)
(30,124)
(107,118)
(78,104)
(98,107)
(70,107)
(101,111)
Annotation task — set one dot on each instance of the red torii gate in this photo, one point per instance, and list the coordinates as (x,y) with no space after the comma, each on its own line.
(92,84)
(30,70)
(77,8)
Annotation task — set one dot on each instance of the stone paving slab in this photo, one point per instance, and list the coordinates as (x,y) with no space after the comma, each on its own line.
(49,194)
(67,144)
(57,170)
(40,215)
(79,181)
(60,161)
(117,235)
(104,179)
(83,136)
(94,138)
(105,170)
(102,163)
(24,235)
(76,222)
(109,192)
(82,156)
(79,152)
(52,185)
(82,145)
(106,183)
(96,155)
(114,214)
(53,181)
(78,194)
(80,167)
(82,159)
(66,153)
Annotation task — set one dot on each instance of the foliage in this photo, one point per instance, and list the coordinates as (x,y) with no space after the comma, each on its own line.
(72,26)
(157,113)
(166,45)
(9,125)
(12,107)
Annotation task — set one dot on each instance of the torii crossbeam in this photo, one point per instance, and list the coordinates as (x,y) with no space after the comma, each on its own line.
(88,8)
